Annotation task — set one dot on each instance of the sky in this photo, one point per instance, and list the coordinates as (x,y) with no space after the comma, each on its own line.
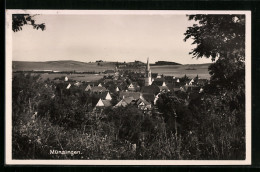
(117,37)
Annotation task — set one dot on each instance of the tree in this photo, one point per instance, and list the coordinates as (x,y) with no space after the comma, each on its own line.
(217,36)
(221,38)
(222,110)
(19,20)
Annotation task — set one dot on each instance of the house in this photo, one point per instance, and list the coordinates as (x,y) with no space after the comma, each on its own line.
(148,97)
(191,82)
(99,85)
(106,96)
(133,87)
(66,78)
(77,84)
(98,89)
(103,103)
(159,83)
(151,89)
(68,87)
(117,89)
(135,95)
(102,100)
(107,80)
(88,88)
(164,89)
(143,104)
(125,101)
(202,82)
(159,76)
(173,86)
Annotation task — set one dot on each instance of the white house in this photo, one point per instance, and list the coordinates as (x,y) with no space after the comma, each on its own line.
(68,87)
(66,78)
(108,96)
(100,103)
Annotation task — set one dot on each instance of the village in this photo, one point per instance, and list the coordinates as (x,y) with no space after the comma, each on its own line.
(124,87)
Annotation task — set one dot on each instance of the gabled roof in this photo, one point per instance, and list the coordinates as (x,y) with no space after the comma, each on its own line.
(125,101)
(100,103)
(104,96)
(158,83)
(159,79)
(106,103)
(164,88)
(151,89)
(103,103)
(98,89)
(140,100)
(148,97)
(107,80)
(88,88)
(135,95)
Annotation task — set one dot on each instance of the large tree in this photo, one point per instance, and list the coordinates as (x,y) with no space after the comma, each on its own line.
(221,38)
(217,36)
(19,20)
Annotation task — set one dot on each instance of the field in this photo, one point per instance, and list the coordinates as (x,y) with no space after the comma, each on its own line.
(63,66)
(191,70)
(180,70)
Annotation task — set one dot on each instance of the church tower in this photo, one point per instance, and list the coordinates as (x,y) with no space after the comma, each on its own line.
(148,74)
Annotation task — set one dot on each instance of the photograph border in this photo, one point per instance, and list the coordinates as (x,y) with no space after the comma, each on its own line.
(8,88)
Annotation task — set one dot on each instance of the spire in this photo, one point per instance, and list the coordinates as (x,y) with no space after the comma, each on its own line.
(148,65)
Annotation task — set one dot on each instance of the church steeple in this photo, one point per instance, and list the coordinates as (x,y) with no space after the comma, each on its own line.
(148,75)
(148,65)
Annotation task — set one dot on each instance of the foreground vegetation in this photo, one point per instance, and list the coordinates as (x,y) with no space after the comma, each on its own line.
(205,128)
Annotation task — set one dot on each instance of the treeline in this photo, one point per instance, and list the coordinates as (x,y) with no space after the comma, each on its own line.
(165,63)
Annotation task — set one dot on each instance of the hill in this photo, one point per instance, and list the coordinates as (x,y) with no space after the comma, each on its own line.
(176,70)
(158,63)
(69,65)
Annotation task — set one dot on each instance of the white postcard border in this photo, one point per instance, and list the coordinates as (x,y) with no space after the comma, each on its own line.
(8,88)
